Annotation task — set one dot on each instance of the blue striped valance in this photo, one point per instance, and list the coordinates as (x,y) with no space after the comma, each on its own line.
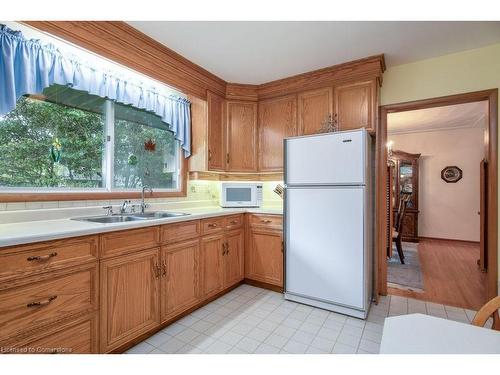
(30,66)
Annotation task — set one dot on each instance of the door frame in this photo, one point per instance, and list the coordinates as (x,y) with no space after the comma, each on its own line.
(492,186)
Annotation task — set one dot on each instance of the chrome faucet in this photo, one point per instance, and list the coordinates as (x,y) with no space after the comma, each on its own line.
(124,206)
(143,204)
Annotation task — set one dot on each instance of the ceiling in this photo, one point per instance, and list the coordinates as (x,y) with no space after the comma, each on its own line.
(259,52)
(467,115)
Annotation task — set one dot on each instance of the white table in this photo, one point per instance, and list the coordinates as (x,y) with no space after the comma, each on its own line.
(423,334)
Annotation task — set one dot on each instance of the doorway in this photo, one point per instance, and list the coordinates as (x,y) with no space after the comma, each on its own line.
(407,160)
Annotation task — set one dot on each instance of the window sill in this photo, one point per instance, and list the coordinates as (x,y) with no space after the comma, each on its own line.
(77,196)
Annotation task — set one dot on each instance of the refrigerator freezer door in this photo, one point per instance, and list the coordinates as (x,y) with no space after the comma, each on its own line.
(328,159)
(324,244)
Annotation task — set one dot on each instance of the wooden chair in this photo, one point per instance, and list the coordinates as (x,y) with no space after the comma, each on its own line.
(490,309)
(397,233)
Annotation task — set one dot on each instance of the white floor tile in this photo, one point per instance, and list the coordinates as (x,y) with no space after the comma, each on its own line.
(312,350)
(294,347)
(247,344)
(158,338)
(302,337)
(285,331)
(369,346)
(258,334)
(231,338)
(218,347)
(187,335)
(309,328)
(347,339)
(276,340)
(329,333)
(142,348)
(323,344)
(173,329)
(201,326)
(340,348)
(266,349)
(172,345)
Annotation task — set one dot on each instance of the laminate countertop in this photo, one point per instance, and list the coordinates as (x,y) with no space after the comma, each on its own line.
(25,232)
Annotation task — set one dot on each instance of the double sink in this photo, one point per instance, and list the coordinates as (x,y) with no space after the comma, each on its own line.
(122,218)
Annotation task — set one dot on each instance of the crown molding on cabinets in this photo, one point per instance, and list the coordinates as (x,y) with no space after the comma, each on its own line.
(240,91)
(357,70)
(126,45)
(218,176)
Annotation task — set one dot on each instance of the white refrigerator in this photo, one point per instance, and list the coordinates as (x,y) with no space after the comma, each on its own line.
(328,221)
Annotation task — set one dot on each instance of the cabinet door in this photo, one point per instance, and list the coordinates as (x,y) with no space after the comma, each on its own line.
(233,257)
(216,136)
(313,109)
(355,105)
(180,278)
(241,154)
(277,120)
(130,287)
(264,257)
(211,265)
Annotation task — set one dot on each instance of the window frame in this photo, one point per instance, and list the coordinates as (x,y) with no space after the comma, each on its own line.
(12,194)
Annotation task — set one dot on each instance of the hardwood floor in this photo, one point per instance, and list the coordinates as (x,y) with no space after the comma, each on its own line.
(450,273)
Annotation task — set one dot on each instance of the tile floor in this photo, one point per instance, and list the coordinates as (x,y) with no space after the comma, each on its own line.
(254,320)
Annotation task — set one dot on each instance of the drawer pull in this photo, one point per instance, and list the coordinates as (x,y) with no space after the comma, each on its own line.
(157,270)
(212,225)
(45,302)
(41,258)
(266,221)
(233,222)
(164,268)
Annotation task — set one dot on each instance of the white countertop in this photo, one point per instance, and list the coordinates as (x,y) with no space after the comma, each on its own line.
(43,230)
(423,334)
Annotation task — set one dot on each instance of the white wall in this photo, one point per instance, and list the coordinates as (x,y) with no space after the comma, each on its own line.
(447,210)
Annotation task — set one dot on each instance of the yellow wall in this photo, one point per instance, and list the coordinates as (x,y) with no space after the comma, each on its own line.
(472,70)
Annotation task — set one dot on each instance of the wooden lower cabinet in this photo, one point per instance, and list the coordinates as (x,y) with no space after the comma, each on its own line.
(212,272)
(78,336)
(180,278)
(264,256)
(233,257)
(130,297)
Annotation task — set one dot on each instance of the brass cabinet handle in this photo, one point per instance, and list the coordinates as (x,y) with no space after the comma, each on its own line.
(233,222)
(266,221)
(41,257)
(227,158)
(223,248)
(156,270)
(164,268)
(44,302)
(209,155)
(227,248)
(212,225)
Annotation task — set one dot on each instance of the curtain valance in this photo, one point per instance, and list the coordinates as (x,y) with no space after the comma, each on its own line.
(28,66)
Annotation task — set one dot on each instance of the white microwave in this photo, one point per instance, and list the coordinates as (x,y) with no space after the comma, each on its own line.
(241,195)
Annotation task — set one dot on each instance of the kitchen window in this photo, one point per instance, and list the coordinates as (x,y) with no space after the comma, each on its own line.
(67,140)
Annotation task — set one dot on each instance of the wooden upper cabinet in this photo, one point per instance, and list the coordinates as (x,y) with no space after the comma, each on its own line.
(216,137)
(212,273)
(355,105)
(180,277)
(233,257)
(130,295)
(313,109)
(241,152)
(277,120)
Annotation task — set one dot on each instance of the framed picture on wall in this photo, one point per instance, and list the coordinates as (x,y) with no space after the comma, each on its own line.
(451,174)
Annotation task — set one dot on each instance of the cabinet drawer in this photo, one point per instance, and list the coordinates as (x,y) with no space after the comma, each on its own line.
(122,242)
(172,233)
(274,221)
(31,259)
(32,306)
(233,221)
(75,337)
(212,225)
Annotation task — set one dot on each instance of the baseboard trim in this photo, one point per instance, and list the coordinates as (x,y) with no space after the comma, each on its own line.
(263,285)
(449,240)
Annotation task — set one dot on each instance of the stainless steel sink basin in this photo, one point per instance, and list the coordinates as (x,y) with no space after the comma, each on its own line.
(108,219)
(105,219)
(159,214)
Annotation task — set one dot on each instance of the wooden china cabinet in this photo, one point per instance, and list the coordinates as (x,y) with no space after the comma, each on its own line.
(405,181)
